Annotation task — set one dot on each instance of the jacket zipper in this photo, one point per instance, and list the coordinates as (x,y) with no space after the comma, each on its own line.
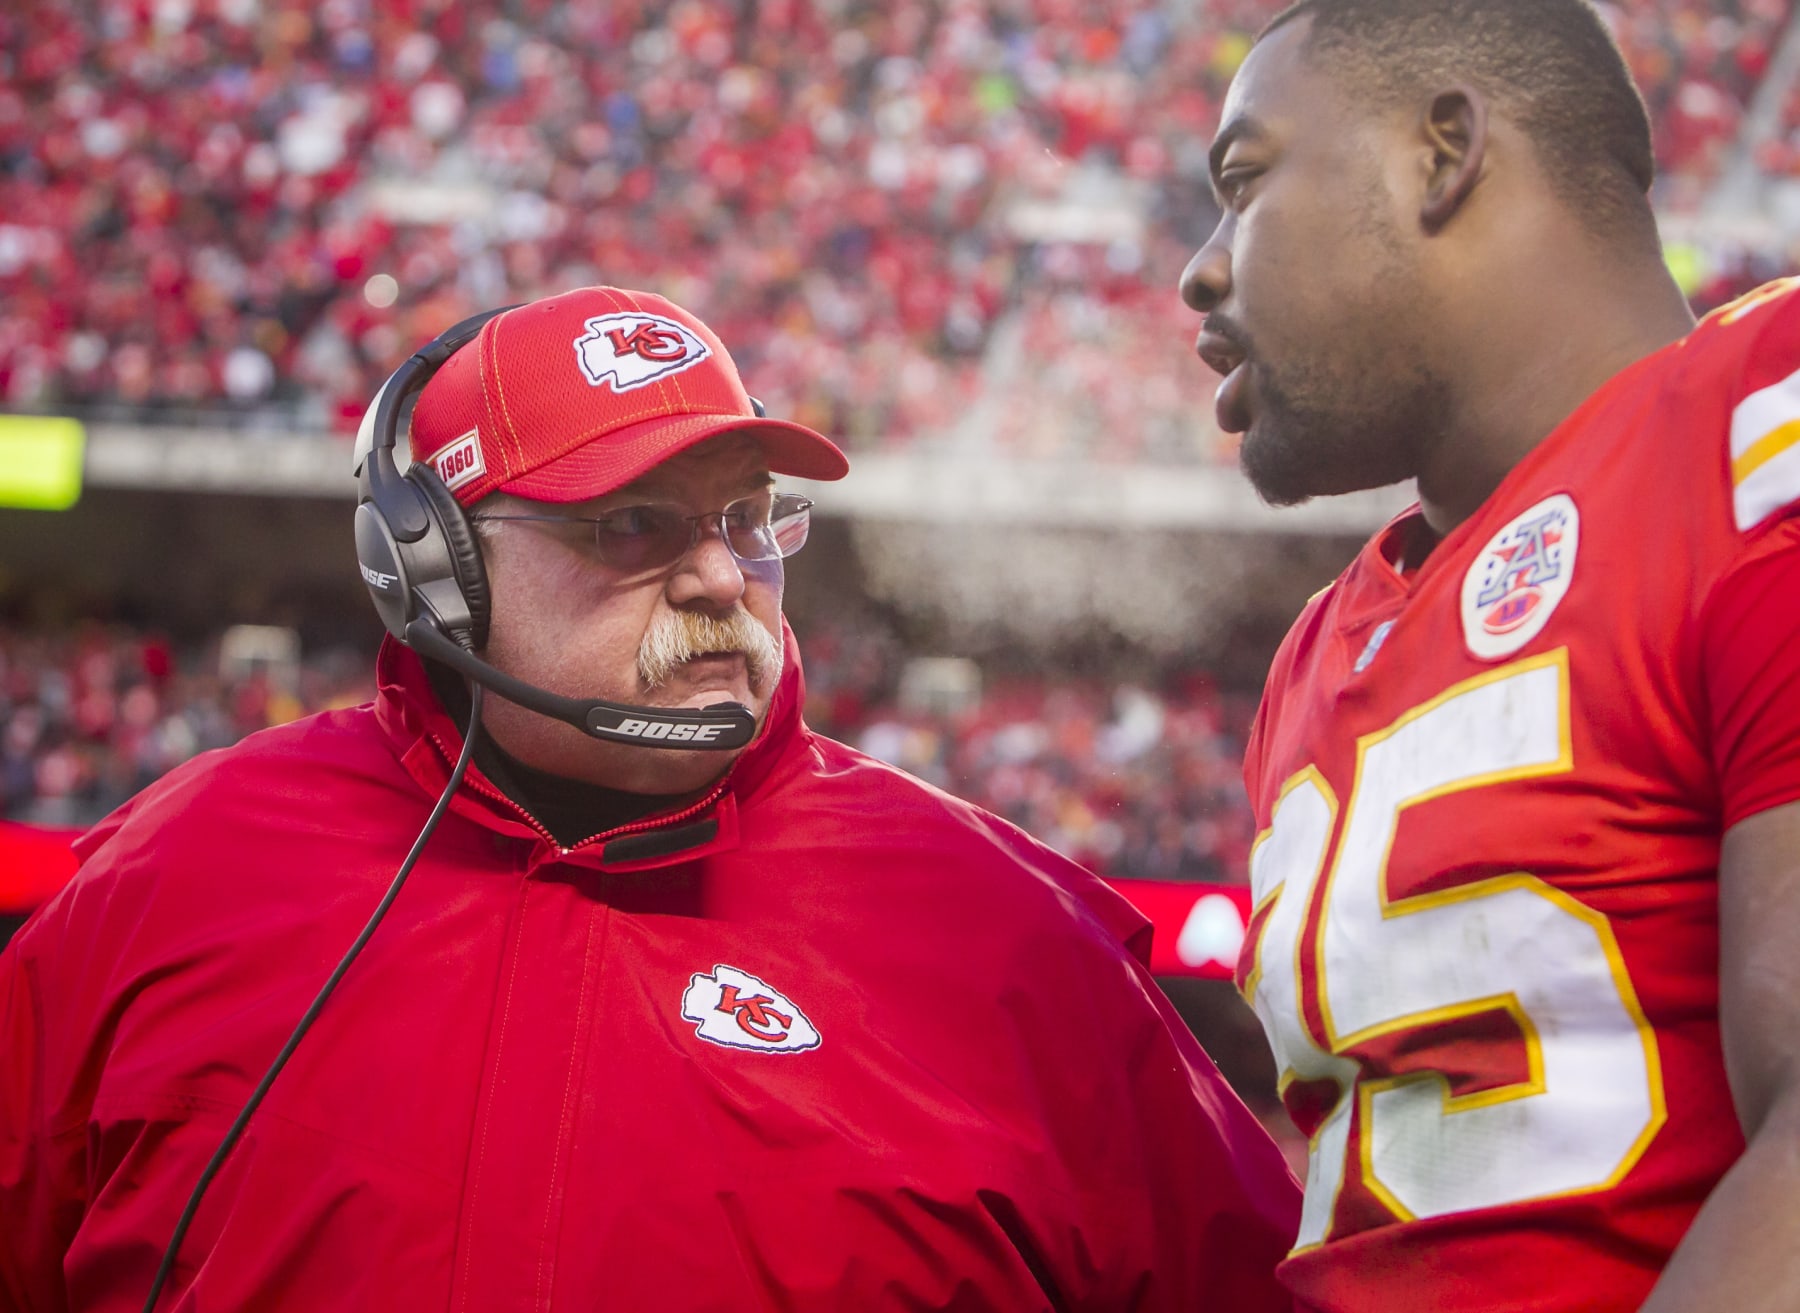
(632,827)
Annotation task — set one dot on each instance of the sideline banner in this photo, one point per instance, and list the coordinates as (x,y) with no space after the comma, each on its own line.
(1199,927)
(34,863)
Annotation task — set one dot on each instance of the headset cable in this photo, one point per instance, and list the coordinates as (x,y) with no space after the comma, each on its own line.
(318,1004)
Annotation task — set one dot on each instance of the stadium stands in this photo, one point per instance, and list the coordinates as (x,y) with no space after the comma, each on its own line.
(1780,155)
(1135,779)
(1698,62)
(913,221)
(90,716)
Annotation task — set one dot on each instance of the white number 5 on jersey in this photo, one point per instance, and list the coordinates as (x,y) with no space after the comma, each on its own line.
(1591,1098)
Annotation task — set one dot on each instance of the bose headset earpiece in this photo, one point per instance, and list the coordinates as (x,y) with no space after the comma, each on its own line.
(418,556)
(414,545)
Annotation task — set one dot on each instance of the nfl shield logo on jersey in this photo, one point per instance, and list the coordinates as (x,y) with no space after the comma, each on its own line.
(735,1009)
(1519,577)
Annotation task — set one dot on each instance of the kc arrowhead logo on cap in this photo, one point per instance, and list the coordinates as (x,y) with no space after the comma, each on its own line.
(630,350)
(507,414)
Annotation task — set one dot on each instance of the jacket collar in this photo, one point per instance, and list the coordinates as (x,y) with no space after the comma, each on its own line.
(427,741)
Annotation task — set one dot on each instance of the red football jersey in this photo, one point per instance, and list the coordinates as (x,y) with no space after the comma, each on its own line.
(1491,793)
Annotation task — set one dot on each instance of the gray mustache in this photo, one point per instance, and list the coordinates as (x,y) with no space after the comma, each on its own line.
(676,637)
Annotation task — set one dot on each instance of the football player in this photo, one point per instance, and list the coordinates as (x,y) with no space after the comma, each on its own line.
(1527,774)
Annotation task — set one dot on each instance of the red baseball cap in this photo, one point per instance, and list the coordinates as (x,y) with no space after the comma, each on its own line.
(572,396)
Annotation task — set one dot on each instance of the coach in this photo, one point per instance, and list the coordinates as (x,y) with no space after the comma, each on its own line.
(650,1026)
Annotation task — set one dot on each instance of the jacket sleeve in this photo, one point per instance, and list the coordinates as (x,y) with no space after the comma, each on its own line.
(1217,1205)
(1186,1203)
(40,1163)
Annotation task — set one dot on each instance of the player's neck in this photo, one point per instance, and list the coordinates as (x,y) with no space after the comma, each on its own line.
(1540,358)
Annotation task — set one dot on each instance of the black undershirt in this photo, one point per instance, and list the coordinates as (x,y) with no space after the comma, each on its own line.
(570,809)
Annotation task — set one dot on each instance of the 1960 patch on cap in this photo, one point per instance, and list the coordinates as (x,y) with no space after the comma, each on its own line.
(461,461)
(1517,581)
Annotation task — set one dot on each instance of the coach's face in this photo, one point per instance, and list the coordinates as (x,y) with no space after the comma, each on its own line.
(1310,284)
(702,629)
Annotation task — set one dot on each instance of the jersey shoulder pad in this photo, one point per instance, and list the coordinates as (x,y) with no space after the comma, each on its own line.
(1765,418)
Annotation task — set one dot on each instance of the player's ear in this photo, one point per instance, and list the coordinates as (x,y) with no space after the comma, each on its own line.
(1455,127)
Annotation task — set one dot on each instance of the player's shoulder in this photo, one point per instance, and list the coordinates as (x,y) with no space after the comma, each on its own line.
(1741,366)
(1309,632)
(1773,307)
(1307,643)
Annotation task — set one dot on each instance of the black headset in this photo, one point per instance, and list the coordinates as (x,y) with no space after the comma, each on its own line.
(418,556)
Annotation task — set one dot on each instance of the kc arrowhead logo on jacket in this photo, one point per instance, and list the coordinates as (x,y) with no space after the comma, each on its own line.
(735,1009)
(634,349)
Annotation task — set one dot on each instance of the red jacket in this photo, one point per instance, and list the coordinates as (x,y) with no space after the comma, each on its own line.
(832,1040)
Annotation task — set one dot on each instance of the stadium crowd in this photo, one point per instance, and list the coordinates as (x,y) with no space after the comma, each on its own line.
(891,211)
(91,715)
(1781,153)
(1133,781)
(1698,63)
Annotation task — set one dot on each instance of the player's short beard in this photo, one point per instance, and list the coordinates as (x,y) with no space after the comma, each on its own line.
(1320,432)
(1362,406)
(674,637)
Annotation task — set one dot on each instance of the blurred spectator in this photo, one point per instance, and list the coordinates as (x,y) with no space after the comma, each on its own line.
(90,717)
(1134,780)
(1698,63)
(1780,155)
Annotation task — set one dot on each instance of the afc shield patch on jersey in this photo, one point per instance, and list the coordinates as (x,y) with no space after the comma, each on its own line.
(633,350)
(735,1009)
(1519,578)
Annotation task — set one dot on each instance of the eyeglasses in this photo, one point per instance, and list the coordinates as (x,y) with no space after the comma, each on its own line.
(765,526)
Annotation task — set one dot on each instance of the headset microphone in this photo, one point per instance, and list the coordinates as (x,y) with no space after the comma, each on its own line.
(419,558)
(723,725)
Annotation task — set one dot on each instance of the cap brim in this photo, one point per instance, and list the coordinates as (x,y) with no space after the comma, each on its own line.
(614,460)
